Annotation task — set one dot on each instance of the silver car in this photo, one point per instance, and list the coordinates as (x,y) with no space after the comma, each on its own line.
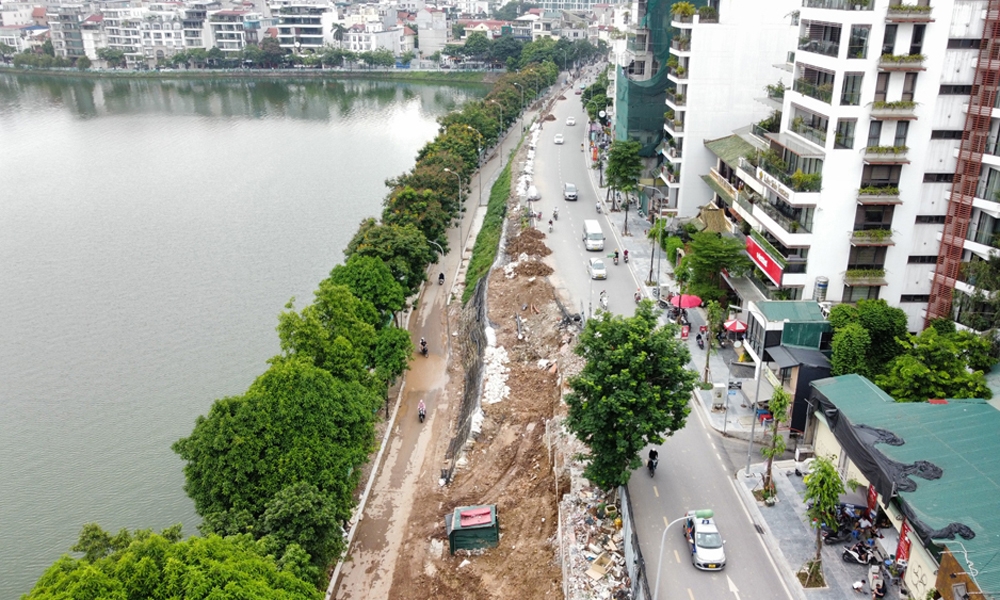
(705,541)
(569,191)
(596,268)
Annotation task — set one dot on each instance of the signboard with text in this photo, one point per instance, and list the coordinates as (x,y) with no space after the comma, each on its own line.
(903,549)
(872,499)
(772,182)
(764,261)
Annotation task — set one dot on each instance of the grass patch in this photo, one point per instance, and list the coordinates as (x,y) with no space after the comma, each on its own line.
(484,252)
(811,575)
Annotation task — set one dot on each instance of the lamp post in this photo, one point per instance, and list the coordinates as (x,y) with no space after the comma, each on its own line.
(461,209)
(700,514)
(520,87)
(760,376)
(499,128)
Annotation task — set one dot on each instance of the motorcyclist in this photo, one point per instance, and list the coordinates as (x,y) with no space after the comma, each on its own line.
(616,256)
(550,224)
(441,278)
(654,457)
(555,213)
(423,346)
(625,253)
(421,407)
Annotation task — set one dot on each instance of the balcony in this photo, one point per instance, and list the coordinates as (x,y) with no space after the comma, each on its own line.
(674,153)
(675,99)
(901,62)
(823,93)
(681,44)
(878,195)
(824,47)
(838,4)
(813,134)
(678,72)
(900,110)
(796,182)
(886,155)
(789,224)
(674,127)
(637,44)
(860,277)
(726,190)
(743,200)
(908,13)
(872,237)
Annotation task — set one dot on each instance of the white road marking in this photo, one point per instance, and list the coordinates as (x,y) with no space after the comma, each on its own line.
(656,491)
(690,594)
(677,556)
(760,540)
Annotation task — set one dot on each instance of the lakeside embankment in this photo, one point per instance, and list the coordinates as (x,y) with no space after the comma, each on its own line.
(429,76)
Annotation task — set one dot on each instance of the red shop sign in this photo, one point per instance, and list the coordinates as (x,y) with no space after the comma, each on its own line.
(872,499)
(903,549)
(762,259)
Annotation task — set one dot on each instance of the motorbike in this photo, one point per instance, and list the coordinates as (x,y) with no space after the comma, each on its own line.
(616,259)
(604,300)
(598,208)
(555,214)
(626,258)
(423,348)
(651,465)
(421,414)
(550,225)
(441,279)
(858,553)
(637,296)
(701,342)
(837,537)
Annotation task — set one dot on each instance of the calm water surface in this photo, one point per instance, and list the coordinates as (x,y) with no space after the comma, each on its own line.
(150,233)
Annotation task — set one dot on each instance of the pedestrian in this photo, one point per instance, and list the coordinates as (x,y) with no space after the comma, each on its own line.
(859,586)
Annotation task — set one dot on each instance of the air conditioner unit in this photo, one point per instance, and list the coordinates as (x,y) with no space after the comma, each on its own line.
(825,307)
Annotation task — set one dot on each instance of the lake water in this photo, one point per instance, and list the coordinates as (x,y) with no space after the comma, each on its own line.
(150,233)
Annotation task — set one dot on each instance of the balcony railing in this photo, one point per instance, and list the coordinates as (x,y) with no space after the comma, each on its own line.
(787,223)
(674,152)
(812,134)
(879,195)
(675,125)
(822,92)
(872,237)
(768,247)
(744,202)
(900,109)
(723,183)
(679,72)
(986,238)
(824,47)
(839,4)
(886,154)
(637,45)
(675,98)
(681,43)
(901,62)
(908,13)
(803,182)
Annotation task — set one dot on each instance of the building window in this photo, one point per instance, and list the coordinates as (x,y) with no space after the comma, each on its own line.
(881,175)
(902,128)
(930,219)
(921,259)
(909,85)
(921,298)
(889,41)
(866,257)
(963,43)
(853,294)
(850,94)
(881,86)
(845,134)
(939,177)
(946,134)
(858,45)
(955,90)
(917,39)
(875,133)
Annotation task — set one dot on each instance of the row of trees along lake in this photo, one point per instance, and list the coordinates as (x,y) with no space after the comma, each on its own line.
(273,471)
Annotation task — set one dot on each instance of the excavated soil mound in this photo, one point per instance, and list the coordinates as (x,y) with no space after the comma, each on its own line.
(529,242)
(532,269)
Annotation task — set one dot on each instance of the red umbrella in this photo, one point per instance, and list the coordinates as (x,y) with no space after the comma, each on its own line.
(735,325)
(685,301)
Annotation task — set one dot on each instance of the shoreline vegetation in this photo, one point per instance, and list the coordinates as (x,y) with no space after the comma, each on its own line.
(413,76)
(273,471)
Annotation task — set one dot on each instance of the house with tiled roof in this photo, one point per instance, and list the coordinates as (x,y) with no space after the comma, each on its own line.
(491,28)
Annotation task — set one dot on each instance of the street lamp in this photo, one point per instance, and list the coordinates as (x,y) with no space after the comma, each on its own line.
(499,128)
(522,103)
(461,207)
(700,514)
(760,375)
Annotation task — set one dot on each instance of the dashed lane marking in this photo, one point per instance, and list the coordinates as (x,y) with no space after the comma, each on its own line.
(656,491)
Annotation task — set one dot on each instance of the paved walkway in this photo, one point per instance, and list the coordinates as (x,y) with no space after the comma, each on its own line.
(785,526)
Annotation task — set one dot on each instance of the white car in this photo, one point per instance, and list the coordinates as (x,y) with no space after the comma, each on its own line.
(533,193)
(705,541)
(570,121)
(558,139)
(596,268)
(569,191)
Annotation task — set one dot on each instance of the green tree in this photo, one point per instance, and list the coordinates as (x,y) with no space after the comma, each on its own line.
(300,514)
(422,209)
(369,279)
(457,31)
(851,344)
(477,46)
(6,51)
(403,248)
(407,57)
(295,424)
(976,350)
(504,48)
(393,351)
(83,63)
(48,49)
(114,58)
(779,404)
(716,318)
(633,390)
(162,567)
(932,366)
(822,498)
(624,167)
(884,324)
(708,255)
(273,52)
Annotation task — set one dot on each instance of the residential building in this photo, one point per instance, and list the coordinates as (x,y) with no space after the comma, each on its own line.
(16,14)
(64,29)
(197,34)
(122,27)
(850,184)
(433,30)
(162,30)
(227,31)
(305,26)
(927,471)
(92,34)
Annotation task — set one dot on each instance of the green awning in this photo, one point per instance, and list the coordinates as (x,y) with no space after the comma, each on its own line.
(730,149)
(721,191)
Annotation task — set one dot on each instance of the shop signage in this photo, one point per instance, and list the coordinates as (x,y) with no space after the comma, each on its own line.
(772,182)
(903,549)
(762,259)
(872,499)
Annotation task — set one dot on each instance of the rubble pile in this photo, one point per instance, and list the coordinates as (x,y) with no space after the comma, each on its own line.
(593,546)
(495,372)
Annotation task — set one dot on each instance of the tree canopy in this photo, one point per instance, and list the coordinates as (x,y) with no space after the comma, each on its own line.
(884,325)
(162,567)
(633,390)
(295,424)
(822,499)
(370,280)
(708,255)
(933,365)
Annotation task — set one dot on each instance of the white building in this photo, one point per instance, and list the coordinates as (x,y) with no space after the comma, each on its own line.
(197,33)
(851,192)
(64,23)
(122,23)
(433,30)
(162,30)
(305,26)
(15,14)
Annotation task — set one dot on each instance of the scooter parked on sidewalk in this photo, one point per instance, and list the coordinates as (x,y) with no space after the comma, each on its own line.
(859,553)
(604,300)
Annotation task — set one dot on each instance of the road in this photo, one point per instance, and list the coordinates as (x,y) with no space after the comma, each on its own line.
(696,470)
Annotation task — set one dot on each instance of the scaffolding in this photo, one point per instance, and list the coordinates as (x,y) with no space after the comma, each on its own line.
(967,171)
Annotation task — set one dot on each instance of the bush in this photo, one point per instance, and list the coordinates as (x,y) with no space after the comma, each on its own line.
(671,245)
(484,252)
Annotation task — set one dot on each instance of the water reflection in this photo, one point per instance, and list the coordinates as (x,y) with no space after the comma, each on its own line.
(307,99)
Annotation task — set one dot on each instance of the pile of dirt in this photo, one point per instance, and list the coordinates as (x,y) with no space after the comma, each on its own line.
(528,241)
(509,462)
(550,116)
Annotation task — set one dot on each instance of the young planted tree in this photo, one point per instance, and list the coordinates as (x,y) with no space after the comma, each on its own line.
(633,390)
(778,405)
(822,497)
(624,167)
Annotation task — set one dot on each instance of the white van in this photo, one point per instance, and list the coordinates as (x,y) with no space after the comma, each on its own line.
(593,237)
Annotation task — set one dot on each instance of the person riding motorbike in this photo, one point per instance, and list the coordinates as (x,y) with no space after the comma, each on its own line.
(654,458)
(616,256)
(423,346)
(625,254)
(441,279)
(421,410)
(555,213)
(604,300)
(637,295)
(598,207)
(550,225)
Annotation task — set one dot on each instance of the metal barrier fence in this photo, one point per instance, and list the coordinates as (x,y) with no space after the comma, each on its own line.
(473,326)
(634,562)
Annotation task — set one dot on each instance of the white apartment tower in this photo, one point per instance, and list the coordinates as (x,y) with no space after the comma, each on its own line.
(875,156)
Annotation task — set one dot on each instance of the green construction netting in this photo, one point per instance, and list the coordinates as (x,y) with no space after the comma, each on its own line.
(640,104)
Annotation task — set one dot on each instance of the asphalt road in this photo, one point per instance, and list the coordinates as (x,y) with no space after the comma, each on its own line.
(696,464)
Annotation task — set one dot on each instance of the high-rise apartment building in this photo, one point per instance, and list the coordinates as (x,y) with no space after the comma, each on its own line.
(884,145)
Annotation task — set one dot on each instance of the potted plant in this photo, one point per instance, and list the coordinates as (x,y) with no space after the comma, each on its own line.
(682,11)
